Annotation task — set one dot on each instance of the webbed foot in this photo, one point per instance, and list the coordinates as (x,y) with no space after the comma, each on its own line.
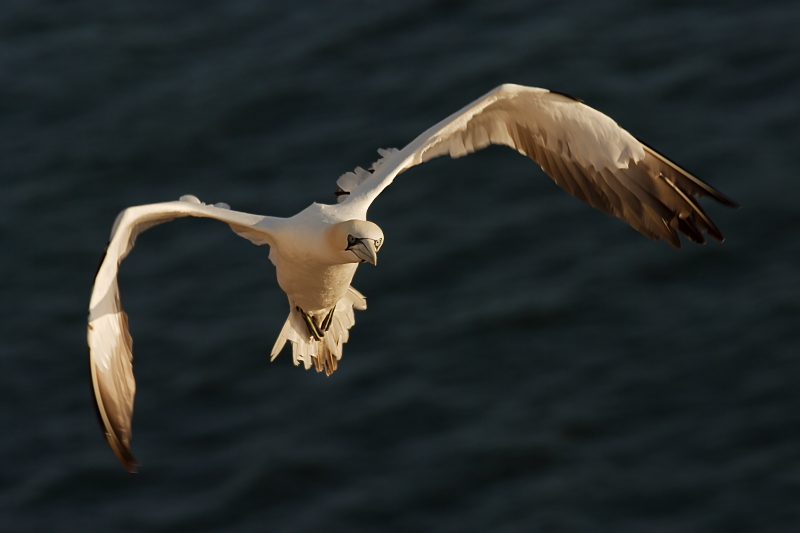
(317,331)
(326,323)
(311,324)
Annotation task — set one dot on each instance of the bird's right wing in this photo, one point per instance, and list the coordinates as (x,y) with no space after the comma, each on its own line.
(110,344)
(584,151)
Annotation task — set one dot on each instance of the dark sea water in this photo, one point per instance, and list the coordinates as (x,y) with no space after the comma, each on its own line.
(526,363)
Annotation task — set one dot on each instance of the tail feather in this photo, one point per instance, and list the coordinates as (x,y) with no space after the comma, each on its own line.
(323,354)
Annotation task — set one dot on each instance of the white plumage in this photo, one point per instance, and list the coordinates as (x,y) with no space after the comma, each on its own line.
(317,251)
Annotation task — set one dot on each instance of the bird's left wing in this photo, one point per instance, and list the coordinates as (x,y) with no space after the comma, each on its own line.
(110,344)
(584,151)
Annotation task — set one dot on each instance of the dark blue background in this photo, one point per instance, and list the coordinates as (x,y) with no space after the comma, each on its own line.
(526,364)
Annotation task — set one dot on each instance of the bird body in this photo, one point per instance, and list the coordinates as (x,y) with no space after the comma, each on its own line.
(317,251)
(307,271)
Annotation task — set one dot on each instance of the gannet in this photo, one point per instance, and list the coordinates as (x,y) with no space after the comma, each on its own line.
(317,251)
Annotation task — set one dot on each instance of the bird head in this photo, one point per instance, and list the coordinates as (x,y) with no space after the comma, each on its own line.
(357,241)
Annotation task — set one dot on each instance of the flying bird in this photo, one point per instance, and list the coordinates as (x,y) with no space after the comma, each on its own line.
(317,251)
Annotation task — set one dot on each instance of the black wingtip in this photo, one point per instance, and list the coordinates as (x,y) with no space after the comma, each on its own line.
(728,202)
(121,451)
(126,458)
(708,190)
(566,95)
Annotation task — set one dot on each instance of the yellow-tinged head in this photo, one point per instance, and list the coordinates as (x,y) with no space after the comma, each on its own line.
(356,241)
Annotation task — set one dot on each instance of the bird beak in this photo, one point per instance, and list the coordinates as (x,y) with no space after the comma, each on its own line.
(365,250)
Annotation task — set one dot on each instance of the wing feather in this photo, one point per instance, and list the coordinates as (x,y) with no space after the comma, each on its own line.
(108,337)
(584,151)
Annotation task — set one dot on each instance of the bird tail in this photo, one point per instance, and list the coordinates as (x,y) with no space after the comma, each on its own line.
(324,353)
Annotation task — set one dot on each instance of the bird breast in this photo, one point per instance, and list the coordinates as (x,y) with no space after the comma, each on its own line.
(314,286)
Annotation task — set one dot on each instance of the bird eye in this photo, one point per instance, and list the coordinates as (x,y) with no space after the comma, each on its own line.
(378,243)
(351,240)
